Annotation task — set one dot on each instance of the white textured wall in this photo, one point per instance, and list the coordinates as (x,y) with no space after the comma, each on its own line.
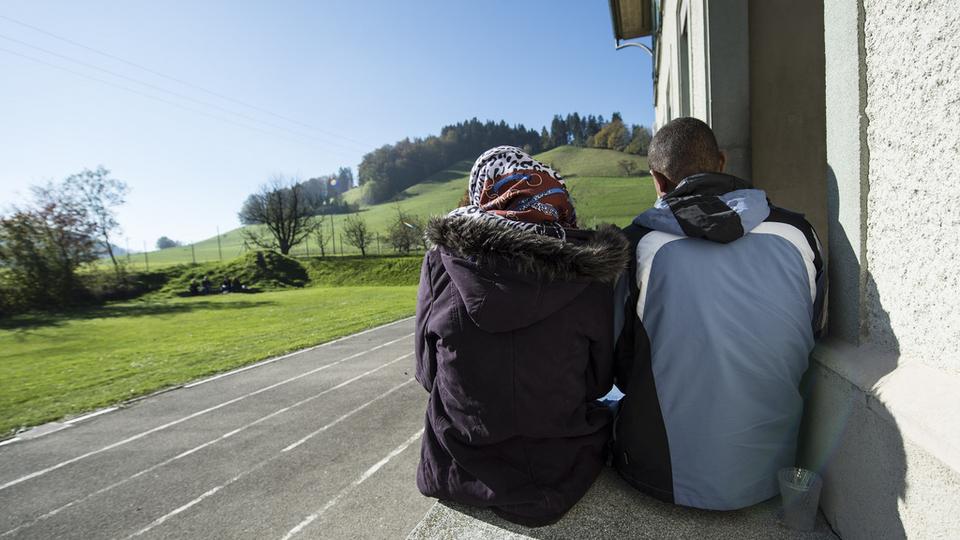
(912,294)
(669,69)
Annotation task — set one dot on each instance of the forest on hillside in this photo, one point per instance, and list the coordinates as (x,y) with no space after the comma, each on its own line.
(390,169)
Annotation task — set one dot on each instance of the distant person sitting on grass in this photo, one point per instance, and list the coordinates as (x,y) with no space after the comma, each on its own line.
(226,286)
(194,287)
(206,284)
(236,286)
(514,344)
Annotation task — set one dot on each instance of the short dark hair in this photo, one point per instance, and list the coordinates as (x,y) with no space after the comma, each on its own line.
(682,148)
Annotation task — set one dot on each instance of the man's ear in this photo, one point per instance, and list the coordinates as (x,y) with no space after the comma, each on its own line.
(662,183)
(723,161)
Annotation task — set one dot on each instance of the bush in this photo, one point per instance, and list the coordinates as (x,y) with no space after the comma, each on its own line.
(256,270)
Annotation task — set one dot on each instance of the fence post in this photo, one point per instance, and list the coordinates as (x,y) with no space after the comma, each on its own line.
(193,253)
(146,260)
(378,244)
(219,251)
(333,235)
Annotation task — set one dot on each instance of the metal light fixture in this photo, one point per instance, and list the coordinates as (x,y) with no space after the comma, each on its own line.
(632,19)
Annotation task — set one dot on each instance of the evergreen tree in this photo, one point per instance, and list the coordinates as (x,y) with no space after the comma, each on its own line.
(576,129)
(640,141)
(544,139)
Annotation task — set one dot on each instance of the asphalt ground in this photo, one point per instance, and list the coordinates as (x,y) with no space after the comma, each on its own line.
(322,443)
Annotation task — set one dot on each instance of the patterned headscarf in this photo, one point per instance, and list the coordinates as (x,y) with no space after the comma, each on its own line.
(507,184)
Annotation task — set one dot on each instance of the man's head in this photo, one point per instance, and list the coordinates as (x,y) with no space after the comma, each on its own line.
(682,148)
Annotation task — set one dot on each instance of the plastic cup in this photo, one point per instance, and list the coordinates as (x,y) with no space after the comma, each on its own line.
(800,494)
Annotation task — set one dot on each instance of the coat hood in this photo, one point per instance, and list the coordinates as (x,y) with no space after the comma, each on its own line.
(713,206)
(509,278)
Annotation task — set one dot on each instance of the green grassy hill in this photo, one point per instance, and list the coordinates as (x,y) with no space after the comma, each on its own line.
(600,192)
(572,161)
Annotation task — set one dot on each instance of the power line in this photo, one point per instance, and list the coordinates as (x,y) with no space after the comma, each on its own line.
(181,81)
(162,100)
(164,90)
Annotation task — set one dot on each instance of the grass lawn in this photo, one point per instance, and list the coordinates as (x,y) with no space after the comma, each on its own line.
(610,200)
(572,161)
(51,366)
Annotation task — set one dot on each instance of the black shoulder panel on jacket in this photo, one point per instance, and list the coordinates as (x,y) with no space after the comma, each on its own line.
(641,452)
(782,215)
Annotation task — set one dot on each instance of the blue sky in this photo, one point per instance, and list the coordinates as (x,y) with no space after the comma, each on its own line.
(328,81)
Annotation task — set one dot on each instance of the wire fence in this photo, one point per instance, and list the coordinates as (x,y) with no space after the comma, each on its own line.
(227,249)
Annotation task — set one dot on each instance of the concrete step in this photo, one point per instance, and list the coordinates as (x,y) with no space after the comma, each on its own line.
(614,509)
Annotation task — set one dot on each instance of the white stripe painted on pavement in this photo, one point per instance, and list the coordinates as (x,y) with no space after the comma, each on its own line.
(132,438)
(94,414)
(195,449)
(363,477)
(183,508)
(288,355)
(10,441)
(260,465)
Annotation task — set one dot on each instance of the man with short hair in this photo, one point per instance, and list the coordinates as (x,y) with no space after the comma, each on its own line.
(722,302)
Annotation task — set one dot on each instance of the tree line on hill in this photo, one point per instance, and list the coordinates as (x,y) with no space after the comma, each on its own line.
(390,169)
(286,218)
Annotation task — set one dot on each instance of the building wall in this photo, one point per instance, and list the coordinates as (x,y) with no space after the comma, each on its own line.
(787,120)
(883,421)
(912,57)
(717,89)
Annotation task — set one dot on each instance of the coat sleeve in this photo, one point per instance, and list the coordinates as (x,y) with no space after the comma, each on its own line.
(623,333)
(600,371)
(425,342)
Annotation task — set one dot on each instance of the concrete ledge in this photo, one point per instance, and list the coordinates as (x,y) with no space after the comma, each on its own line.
(613,509)
(920,400)
(884,432)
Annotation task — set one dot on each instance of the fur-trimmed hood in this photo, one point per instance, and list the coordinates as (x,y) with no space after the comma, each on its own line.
(599,255)
(510,278)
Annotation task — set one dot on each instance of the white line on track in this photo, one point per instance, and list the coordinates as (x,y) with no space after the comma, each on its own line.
(195,449)
(288,355)
(363,477)
(132,438)
(94,414)
(263,463)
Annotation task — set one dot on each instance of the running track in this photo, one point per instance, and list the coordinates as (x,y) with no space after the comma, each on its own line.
(322,443)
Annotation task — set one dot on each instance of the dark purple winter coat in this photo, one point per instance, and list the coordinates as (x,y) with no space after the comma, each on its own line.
(514,342)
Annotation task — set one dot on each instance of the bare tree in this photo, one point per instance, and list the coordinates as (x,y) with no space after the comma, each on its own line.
(283,208)
(323,241)
(406,232)
(357,233)
(99,195)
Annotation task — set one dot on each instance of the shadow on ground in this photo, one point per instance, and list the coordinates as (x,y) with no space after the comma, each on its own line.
(134,309)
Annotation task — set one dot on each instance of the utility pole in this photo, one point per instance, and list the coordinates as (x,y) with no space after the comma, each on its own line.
(128,250)
(219,250)
(146,259)
(341,243)
(193,253)
(378,244)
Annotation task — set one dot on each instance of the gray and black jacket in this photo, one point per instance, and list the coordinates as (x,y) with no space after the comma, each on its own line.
(721,305)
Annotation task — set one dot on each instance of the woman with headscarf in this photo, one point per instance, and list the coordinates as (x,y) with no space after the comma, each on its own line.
(514,343)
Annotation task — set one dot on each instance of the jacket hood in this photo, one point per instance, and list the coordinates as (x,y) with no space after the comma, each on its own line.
(510,278)
(713,206)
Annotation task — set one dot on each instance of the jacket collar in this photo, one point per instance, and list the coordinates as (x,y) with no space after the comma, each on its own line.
(599,255)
